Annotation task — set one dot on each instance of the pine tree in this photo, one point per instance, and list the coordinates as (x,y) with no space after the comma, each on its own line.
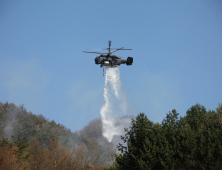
(139,149)
(22,153)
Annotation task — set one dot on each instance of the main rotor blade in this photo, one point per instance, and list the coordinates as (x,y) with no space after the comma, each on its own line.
(117,49)
(94,49)
(109,48)
(92,52)
(125,49)
(120,49)
(104,49)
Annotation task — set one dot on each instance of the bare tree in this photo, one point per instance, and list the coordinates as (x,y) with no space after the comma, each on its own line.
(58,155)
(39,156)
(8,160)
(95,155)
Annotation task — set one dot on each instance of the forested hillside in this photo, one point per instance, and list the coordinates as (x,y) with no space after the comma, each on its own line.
(31,141)
(45,138)
(16,121)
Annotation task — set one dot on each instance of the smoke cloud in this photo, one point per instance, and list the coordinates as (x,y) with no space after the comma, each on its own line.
(114,111)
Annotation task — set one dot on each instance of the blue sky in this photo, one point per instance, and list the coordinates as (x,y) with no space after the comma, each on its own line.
(177,50)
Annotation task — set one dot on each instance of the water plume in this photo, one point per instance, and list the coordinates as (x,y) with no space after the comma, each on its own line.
(115,106)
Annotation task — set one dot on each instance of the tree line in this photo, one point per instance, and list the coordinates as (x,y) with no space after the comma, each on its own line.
(190,142)
(29,141)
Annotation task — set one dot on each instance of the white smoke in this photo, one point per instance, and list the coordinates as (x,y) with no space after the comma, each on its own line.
(116,105)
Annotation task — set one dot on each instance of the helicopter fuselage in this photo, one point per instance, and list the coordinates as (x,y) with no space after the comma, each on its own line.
(109,60)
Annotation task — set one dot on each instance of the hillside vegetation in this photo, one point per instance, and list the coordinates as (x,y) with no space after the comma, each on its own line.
(48,145)
(33,142)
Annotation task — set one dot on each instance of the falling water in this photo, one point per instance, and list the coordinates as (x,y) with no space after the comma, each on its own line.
(115,105)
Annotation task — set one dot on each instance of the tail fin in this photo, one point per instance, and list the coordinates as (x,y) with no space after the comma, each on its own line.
(129,61)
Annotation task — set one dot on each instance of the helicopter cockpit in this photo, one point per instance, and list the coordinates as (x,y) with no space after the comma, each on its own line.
(97,60)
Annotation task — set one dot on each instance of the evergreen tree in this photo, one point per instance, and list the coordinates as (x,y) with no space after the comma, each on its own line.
(207,128)
(4,142)
(22,153)
(139,144)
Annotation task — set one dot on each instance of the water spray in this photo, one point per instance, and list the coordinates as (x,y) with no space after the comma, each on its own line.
(113,107)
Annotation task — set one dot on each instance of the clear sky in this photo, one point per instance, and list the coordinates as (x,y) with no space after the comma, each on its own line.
(177,51)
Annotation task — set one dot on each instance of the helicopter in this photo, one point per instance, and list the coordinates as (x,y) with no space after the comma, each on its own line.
(108,59)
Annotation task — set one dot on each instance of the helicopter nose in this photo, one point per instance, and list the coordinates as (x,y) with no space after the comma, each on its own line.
(96,61)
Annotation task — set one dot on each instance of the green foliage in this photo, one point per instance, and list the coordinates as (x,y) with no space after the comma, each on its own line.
(139,139)
(20,153)
(192,142)
(207,128)
(4,142)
